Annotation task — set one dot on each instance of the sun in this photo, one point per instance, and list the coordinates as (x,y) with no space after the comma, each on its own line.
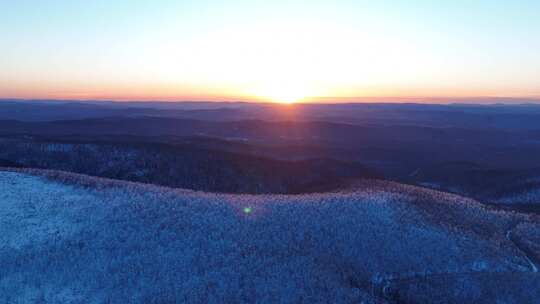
(285,97)
(284,94)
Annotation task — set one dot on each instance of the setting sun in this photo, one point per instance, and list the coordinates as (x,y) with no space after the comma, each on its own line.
(285,100)
(241,52)
(286,94)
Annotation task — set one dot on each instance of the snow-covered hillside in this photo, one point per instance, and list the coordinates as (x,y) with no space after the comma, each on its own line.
(73,239)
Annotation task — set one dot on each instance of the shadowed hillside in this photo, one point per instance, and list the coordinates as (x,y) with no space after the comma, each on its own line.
(183,166)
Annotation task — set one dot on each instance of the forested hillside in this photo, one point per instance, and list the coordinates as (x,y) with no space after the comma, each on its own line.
(76,239)
(183,166)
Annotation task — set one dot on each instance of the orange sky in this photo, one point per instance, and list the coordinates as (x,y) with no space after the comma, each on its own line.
(280,51)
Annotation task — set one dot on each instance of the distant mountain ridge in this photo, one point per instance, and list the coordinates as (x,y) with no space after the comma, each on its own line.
(489,152)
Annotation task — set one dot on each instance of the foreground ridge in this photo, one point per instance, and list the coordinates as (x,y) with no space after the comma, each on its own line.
(68,235)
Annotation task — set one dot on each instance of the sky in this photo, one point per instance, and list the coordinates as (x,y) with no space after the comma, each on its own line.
(282,51)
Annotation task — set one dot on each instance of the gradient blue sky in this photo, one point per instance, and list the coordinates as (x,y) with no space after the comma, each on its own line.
(268,50)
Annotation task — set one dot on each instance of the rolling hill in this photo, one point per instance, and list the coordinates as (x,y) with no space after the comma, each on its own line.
(71,238)
(183,166)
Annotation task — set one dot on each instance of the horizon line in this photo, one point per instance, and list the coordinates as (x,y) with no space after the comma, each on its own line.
(315,100)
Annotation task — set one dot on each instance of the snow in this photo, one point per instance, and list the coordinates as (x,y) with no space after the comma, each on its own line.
(89,240)
(531,196)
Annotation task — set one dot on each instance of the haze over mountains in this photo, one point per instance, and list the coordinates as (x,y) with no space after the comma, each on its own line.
(490,152)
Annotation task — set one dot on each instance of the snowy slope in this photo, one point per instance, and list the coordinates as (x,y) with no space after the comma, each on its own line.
(73,239)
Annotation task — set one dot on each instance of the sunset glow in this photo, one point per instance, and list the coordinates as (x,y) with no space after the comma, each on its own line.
(283,51)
